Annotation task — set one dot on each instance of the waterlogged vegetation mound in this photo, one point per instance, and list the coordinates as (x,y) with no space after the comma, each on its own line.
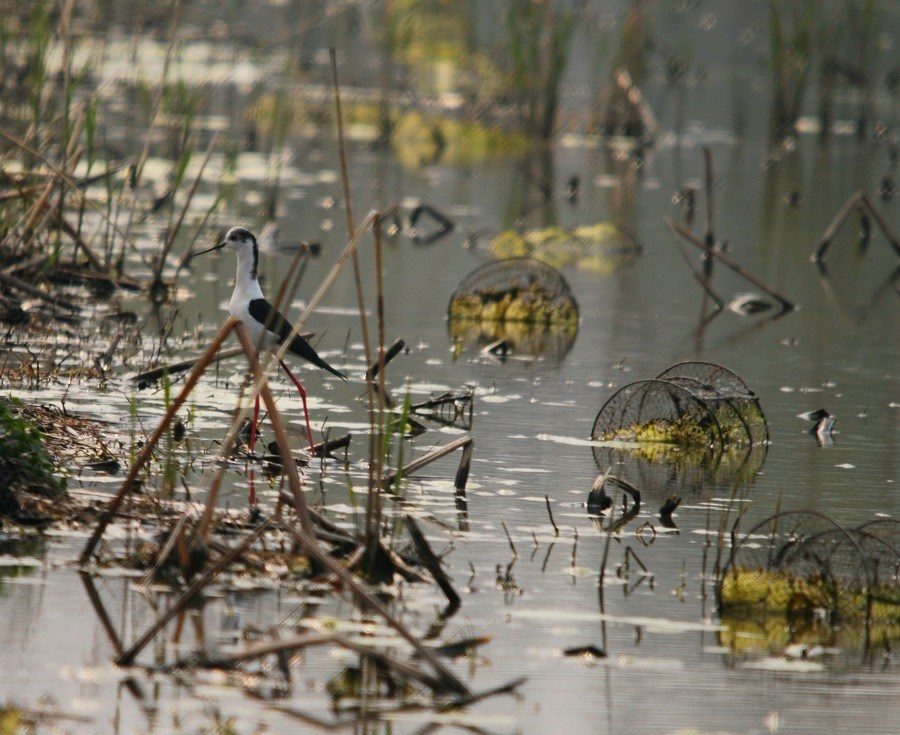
(521,301)
(420,139)
(601,247)
(514,290)
(26,467)
(25,463)
(690,406)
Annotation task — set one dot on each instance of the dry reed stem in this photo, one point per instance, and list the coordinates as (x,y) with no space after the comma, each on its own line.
(431,561)
(23,192)
(858,199)
(465,466)
(311,547)
(127,657)
(151,376)
(305,640)
(374,499)
(509,539)
(17,284)
(35,262)
(280,645)
(832,228)
(174,538)
(324,528)
(374,443)
(281,438)
(105,621)
(882,223)
(72,232)
(703,280)
(550,513)
(466,700)
(683,232)
(39,209)
(384,358)
(291,282)
(418,463)
(710,200)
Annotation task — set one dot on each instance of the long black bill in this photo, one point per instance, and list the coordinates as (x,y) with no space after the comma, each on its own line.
(208,250)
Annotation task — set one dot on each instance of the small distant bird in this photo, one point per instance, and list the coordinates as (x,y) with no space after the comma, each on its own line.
(824,425)
(266,326)
(746,304)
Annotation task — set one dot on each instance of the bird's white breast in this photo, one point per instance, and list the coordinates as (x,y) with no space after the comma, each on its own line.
(247,289)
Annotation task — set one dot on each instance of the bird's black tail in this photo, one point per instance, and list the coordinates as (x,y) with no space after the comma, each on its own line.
(302,348)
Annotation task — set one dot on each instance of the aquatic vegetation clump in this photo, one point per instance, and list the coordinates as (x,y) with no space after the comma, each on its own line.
(599,247)
(25,463)
(420,139)
(812,568)
(27,479)
(524,306)
(681,431)
(690,405)
(515,290)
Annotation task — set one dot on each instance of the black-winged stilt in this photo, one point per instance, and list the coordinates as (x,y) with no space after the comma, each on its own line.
(265,325)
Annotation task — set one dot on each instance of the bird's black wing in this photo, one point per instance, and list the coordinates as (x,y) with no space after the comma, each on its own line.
(262,311)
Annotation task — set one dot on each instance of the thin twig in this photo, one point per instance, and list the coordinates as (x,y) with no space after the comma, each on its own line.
(151,376)
(384,357)
(431,562)
(507,688)
(832,228)
(703,280)
(429,457)
(509,538)
(550,513)
(882,223)
(710,239)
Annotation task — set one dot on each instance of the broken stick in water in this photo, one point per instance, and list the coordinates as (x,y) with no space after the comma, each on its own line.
(431,561)
(686,234)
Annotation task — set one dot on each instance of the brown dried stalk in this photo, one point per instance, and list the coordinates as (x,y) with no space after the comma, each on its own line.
(431,562)
(686,234)
(859,200)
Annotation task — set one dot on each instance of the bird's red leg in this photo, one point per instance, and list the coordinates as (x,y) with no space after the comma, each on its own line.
(254,424)
(251,493)
(302,391)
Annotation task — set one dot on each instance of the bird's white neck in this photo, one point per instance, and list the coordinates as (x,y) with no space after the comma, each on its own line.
(246,285)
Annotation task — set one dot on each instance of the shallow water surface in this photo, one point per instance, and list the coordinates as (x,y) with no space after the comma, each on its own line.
(672,664)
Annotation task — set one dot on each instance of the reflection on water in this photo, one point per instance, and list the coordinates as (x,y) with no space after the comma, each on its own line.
(637,590)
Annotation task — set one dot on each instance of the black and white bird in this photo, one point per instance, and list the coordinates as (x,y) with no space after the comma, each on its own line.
(266,326)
